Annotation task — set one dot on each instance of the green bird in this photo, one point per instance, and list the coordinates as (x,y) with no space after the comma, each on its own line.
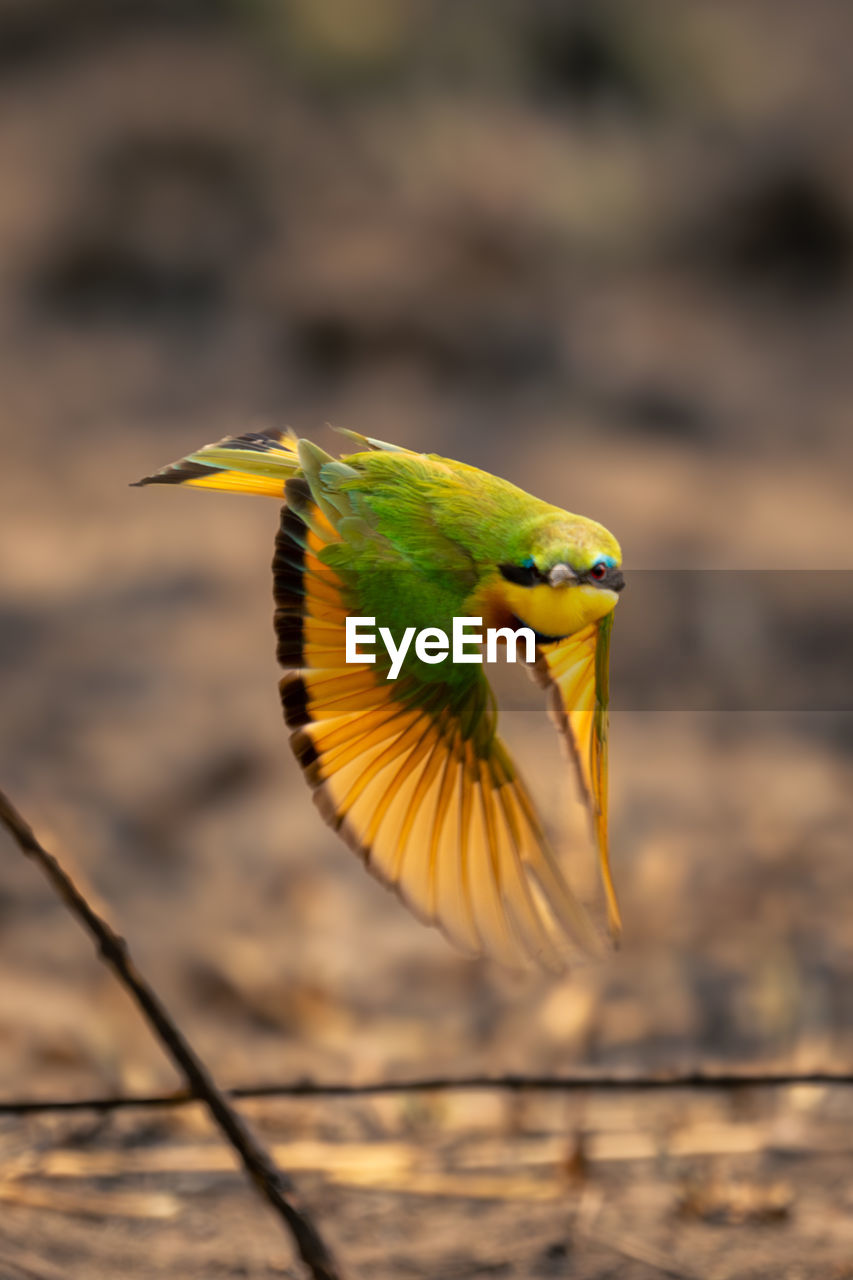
(403,753)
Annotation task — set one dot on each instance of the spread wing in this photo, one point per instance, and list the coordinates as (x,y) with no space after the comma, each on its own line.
(411,773)
(576,671)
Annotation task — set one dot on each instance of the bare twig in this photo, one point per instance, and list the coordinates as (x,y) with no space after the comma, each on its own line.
(274,1185)
(577,1082)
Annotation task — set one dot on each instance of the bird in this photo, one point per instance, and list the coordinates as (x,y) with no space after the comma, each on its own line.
(411,772)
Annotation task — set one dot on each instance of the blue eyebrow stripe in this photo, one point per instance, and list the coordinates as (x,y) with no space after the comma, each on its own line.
(608,560)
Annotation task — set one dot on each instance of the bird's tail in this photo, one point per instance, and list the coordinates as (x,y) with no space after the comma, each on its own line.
(258,462)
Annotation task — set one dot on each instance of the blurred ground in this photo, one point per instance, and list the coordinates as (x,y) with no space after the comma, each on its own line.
(602,249)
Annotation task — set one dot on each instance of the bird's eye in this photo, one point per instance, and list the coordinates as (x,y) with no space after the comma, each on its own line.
(598,571)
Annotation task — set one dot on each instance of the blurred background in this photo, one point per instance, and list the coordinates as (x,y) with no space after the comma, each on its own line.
(603,249)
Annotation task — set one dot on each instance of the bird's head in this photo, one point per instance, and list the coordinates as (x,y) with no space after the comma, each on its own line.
(565,574)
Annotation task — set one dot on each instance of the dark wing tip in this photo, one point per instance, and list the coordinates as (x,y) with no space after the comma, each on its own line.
(179,473)
(305,751)
(158,478)
(294,699)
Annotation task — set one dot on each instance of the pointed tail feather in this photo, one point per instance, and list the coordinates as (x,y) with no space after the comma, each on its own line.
(258,462)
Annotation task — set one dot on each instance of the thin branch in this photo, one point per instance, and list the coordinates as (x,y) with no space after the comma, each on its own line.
(576,1082)
(580,1082)
(274,1185)
(589,1082)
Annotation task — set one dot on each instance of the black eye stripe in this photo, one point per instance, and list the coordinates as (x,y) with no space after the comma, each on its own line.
(529,576)
(521,575)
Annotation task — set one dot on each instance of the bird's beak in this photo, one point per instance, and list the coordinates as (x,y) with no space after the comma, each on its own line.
(561,575)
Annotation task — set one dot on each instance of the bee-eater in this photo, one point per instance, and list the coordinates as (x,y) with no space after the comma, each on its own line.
(411,771)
